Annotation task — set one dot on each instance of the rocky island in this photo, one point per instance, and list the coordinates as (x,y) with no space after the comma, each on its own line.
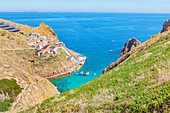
(130,44)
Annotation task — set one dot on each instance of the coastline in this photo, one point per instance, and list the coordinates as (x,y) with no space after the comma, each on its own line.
(68,72)
(48,30)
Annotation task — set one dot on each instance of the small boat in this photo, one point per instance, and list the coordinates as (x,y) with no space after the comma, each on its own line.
(110,50)
(113,41)
(94,73)
(81,73)
(76,73)
(86,73)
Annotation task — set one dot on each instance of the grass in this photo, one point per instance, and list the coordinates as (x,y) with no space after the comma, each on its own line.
(142,86)
(10,87)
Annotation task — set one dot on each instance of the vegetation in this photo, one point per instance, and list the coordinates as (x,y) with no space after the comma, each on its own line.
(10,88)
(140,84)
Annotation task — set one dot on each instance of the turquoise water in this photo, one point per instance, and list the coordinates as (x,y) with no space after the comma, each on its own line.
(91,34)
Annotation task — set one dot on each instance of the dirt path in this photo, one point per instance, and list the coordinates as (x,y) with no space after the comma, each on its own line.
(16,49)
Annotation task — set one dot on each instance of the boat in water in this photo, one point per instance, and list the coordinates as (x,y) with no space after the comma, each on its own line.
(110,50)
(82,73)
(86,73)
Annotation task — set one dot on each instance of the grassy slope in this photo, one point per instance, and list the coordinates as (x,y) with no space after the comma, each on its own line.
(12,88)
(139,84)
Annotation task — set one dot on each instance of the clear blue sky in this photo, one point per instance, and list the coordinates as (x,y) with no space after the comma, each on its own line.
(146,6)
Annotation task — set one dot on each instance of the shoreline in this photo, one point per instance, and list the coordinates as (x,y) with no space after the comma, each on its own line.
(68,72)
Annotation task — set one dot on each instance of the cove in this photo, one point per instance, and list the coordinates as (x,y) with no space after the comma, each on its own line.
(91,34)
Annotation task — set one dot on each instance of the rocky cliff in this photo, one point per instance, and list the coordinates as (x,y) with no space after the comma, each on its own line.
(18,62)
(166,26)
(47,31)
(129,45)
(140,47)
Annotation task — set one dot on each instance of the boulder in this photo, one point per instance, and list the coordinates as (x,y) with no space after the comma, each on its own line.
(166,26)
(130,44)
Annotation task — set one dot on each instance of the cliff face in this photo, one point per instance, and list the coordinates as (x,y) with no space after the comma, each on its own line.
(47,31)
(166,26)
(139,48)
(18,62)
(129,45)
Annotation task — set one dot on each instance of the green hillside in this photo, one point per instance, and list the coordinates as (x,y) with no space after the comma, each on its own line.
(11,88)
(139,84)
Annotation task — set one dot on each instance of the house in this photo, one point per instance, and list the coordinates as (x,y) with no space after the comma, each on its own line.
(33,37)
(28,38)
(43,37)
(60,44)
(32,42)
(34,34)
(39,52)
(52,48)
(55,53)
(47,54)
(42,51)
(70,58)
(39,45)
(49,40)
(46,47)
(40,39)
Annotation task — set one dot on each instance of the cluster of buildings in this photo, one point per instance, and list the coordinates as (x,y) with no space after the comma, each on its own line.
(42,45)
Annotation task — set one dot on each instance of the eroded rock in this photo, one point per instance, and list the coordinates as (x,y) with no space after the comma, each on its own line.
(166,26)
(130,44)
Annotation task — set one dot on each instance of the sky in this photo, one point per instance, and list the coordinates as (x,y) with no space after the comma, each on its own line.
(132,6)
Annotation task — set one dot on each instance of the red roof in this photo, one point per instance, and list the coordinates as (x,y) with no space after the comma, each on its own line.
(48,40)
(37,44)
(31,41)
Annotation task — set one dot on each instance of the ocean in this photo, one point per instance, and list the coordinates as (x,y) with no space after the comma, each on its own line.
(91,34)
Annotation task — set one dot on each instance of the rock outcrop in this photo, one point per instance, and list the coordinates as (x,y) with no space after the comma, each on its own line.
(166,26)
(130,44)
(47,31)
(137,49)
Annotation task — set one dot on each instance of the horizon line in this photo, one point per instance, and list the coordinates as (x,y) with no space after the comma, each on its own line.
(79,12)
